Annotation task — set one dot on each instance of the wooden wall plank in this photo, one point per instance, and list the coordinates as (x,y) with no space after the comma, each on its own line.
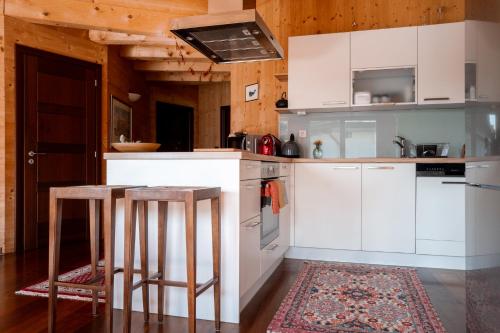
(178,66)
(111,16)
(177,52)
(194,77)
(211,98)
(3,188)
(294,18)
(121,38)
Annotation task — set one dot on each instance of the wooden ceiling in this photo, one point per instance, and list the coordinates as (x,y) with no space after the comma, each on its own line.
(139,27)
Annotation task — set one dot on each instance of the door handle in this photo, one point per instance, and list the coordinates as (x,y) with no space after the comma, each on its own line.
(436,99)
(381,168)
(252,226)
(345,168)
(31,153)
(271,248)
(454,183)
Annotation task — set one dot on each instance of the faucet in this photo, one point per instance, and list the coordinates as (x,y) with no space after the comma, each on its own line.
(402,146)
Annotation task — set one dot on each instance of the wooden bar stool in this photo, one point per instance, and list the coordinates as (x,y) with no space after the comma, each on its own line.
(137,200)
(94,194)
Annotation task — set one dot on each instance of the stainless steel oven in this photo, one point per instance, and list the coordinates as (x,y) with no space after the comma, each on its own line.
(270,226)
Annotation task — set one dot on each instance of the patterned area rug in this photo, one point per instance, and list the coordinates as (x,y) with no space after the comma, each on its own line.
(79,275)
(341,298)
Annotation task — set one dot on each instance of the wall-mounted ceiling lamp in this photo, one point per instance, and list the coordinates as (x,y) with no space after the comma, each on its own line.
(133,97)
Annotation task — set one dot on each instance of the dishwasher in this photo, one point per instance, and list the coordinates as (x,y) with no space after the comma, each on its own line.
(440,215)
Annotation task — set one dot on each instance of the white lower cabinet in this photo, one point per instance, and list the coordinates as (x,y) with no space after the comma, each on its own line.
(328,205)
(388,207)
(269,255)
(249,254)
(250,199)
(440,222)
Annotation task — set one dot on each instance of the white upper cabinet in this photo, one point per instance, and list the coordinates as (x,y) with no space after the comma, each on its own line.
(389,207)
(384,48)
(441,59)
(488,63)
(319,71)
(328,205)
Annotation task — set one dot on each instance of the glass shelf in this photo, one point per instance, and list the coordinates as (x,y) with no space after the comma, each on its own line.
(384,86)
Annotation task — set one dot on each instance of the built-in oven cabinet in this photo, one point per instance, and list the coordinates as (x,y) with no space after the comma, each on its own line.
(440,220)
(328,205)
(388,208)
(441,59)
(285,218)
(249,254)
(319,71)
(249,199)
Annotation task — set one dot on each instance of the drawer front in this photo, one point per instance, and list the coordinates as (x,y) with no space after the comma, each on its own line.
(440,248)
(249,170)
(249,199)
(249,254)
(285,169)
(269,256)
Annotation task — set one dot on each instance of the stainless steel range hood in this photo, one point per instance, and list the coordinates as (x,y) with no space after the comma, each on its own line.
(238,36)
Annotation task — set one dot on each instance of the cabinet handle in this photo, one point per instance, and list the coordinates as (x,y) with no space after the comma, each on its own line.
(483,96)
(480,166)
(252,226)
(381,168)
(345,168)
(271,248)
(436,99)
(249,187)
(454,183)
(253,166)
(333,102)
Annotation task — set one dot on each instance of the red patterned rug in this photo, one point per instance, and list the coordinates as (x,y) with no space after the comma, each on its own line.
(79,275)
(341,298)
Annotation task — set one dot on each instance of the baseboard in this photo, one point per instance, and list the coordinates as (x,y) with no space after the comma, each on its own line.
(377,258)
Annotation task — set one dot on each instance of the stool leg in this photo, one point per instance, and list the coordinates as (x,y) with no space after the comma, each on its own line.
(55,212)
(128,266)
(143,232)
(94,246)
(216,237)
(109,257)
(190,205)
(162,245)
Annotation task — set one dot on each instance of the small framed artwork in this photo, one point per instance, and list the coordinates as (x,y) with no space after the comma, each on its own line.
(252,92)
(121,120)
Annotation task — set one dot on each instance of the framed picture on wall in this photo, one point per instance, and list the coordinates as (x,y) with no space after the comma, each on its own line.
(121,120)
(252,92)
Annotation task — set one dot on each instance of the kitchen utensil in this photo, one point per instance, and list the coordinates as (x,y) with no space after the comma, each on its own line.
(362,97)
(282,102)
(136,146)
(427,150)
(290,148)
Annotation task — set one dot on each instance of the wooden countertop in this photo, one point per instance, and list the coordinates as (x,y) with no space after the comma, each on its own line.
(230,153)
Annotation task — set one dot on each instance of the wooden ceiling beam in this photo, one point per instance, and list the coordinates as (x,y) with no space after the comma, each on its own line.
(180,66)
(121,38)
(188,77)
(99,15)
(177,52)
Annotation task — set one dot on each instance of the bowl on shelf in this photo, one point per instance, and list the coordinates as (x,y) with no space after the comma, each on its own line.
(129,147)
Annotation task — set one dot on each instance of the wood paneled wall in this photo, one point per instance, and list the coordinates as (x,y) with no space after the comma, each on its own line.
(211,98)
(293,18)
(69,42)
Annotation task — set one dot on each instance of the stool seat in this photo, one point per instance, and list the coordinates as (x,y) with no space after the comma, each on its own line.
(94,194)
(136,204)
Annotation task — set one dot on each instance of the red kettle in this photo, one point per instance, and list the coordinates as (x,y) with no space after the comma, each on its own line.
(270,145)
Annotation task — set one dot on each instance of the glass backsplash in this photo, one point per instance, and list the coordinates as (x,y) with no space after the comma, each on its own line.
(370,133)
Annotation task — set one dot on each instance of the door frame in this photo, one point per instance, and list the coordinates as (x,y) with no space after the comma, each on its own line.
(20,51)
(191,120)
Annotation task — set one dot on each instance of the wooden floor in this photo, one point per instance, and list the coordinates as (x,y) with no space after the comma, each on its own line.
(29,314)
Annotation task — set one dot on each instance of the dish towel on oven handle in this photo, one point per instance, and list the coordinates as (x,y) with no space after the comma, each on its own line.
(275,189)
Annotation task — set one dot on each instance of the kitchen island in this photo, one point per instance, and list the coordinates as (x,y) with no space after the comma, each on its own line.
(239,179)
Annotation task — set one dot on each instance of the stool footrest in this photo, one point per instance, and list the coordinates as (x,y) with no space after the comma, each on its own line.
(80,285)
(200,287)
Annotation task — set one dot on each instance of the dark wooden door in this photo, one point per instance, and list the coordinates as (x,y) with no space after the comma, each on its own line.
(225,124)
(58,108)
(174,127)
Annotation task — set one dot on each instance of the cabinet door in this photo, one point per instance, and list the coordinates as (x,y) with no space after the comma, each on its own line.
(488,63)
(284,238)
(384,48)
(319,71)
(441,61)
(328,205)
(249,254)
(249,199)
(389,207)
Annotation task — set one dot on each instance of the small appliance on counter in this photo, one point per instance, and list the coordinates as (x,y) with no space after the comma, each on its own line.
(434,150)
(270,145)
(282,103)
(244,141)
(290,148)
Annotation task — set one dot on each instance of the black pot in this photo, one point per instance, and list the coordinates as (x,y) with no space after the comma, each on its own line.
(282,103)
(290,148)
